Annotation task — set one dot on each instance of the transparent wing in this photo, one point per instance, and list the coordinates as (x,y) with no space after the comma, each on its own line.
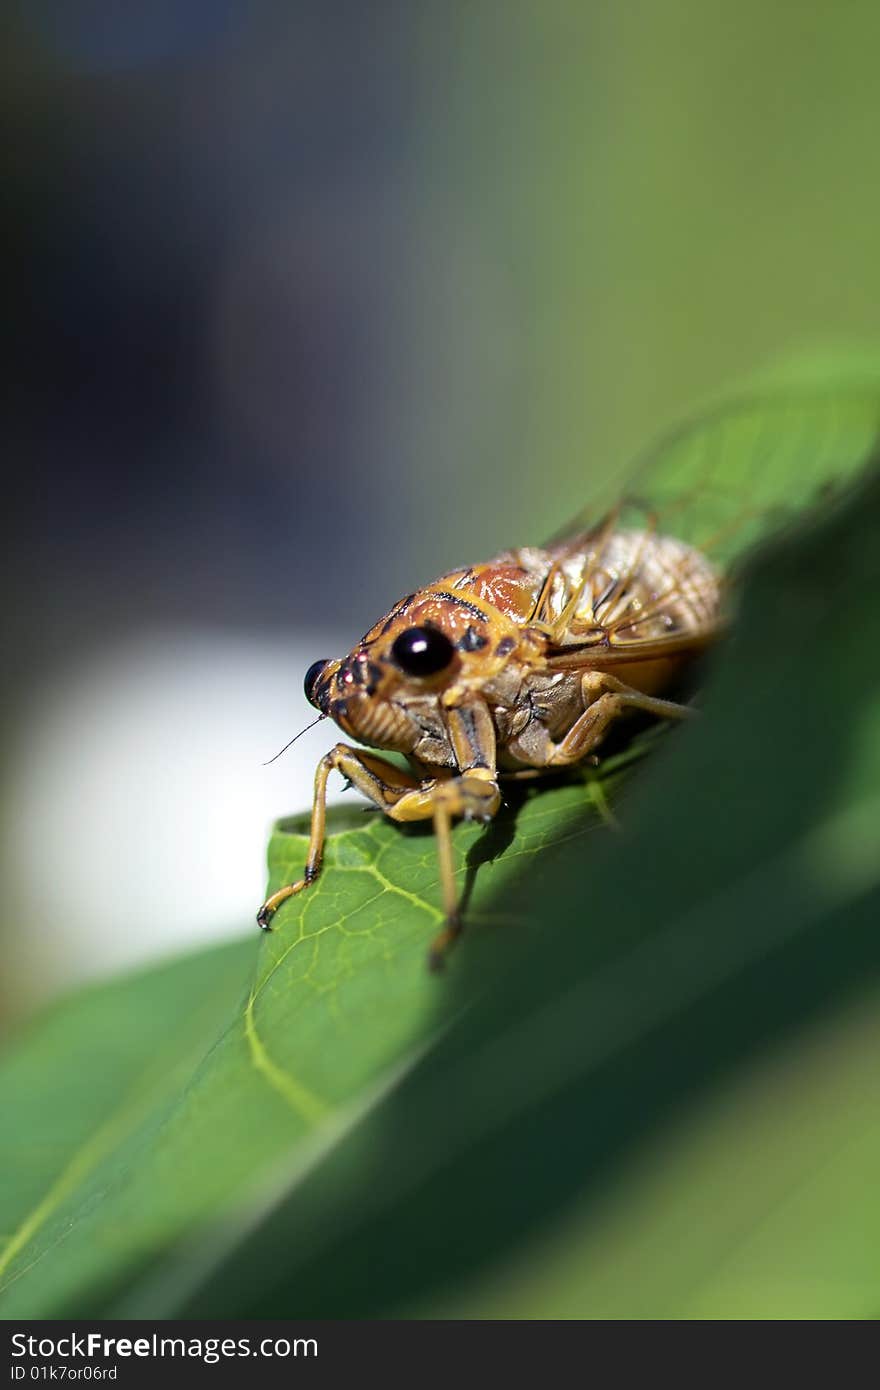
(735,475)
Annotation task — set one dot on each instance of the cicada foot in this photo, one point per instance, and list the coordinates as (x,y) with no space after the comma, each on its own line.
(474,796)
(274,901)
(443,942)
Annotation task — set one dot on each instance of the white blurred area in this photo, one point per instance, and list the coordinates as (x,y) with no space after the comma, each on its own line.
(138,806)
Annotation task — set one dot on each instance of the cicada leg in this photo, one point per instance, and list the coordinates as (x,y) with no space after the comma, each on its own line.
(378,780)
(474,796)
(605,699)
(402,797)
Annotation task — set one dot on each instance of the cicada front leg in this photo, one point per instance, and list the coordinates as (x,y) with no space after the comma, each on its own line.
(378,780)
(472,794)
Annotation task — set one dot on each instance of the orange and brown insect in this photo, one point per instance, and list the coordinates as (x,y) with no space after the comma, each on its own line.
(520,665)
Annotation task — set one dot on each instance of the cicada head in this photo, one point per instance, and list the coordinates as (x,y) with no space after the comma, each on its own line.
(389,691)
(387,694)
(357,693)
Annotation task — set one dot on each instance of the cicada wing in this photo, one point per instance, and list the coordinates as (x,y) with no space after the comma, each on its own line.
(592,657)
(731,477)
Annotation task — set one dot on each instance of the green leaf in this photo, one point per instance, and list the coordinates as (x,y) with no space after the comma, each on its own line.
(83,1079)
(349,1103)
(534,1163)
(158,1124)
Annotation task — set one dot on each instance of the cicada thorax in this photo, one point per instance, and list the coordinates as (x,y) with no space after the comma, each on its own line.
(470,620)
(472,605)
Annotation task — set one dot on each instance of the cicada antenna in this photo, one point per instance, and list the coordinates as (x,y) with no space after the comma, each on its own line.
(294,739)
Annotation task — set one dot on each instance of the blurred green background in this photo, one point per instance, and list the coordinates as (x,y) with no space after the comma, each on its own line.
(311,302)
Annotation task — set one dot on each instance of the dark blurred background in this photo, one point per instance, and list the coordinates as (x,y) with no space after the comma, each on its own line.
(308,302)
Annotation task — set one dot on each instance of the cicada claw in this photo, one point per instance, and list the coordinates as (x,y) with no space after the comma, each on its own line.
(274,901)
(443,941)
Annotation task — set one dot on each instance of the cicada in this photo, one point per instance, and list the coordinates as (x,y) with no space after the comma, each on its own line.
(519,666)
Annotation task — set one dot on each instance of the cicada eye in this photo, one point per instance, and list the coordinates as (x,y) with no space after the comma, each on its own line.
(422,651)
(313,675)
